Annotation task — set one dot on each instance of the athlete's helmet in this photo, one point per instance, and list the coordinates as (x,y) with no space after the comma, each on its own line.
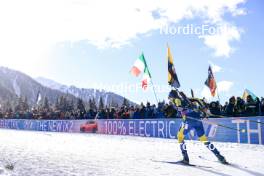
(173,94)
(174,98)
(198,104)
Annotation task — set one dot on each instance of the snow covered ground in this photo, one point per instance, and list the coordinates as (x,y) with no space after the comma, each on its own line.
(43,153)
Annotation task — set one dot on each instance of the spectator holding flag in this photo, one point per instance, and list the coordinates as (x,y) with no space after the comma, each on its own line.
(172,76)
(250,106)
(231,107)
(210,82)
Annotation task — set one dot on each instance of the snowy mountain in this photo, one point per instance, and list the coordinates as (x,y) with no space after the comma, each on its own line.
(15,84)
(50,83)
(109,98)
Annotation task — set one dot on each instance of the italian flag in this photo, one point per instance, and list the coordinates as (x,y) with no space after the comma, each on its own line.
(146,79)
(140,66)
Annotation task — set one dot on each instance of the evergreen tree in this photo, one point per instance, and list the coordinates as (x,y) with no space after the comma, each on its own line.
(80,108)
(25,106)
(63,104)
(92,104)
(80,105)
(70,105)
(113,104)
(57,104)
(46,104)
(95,104)
(101,103)
(7,107)
(22,105)
(19,106)
(125,102)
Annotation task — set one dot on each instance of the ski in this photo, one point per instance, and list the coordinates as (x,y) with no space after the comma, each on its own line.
(180,162)
(183,163)
(225,163)
(229,164)
(189,164)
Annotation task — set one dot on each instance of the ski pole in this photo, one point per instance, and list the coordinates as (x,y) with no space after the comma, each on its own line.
(190,104)
(236,118)
(214,123)
(256,121)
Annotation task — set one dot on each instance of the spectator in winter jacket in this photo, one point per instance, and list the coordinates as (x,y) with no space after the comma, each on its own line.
(258,107)
(149,111)
(250,106)
(262,106)
(91,114)
(142,111)
(240,107)
(170,111)
(111,113)
(230,108)
(215,108)
(136,114)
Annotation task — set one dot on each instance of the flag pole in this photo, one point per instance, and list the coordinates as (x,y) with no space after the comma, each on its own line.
(152,82)
(217,93)
(218,96)
(154,91)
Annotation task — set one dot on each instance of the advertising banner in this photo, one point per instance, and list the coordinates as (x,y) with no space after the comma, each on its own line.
(239,130)
(253,129)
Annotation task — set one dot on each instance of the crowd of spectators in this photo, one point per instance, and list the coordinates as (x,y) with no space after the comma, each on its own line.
(239,107)
(236,107)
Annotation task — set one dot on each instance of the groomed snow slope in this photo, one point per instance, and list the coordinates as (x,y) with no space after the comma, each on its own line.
(42,153)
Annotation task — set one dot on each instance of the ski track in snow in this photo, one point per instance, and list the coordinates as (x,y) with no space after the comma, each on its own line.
(47,153)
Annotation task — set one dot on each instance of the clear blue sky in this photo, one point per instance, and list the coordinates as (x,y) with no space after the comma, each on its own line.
(84,63)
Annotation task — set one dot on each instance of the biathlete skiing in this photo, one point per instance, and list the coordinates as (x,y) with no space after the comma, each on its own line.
(192,113)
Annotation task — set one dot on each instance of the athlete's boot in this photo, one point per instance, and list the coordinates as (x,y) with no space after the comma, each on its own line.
(184,153)
(212,148)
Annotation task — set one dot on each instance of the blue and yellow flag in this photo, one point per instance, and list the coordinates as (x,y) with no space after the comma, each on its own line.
(172,76)
(247,93)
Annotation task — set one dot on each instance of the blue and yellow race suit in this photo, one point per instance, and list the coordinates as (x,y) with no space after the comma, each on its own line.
(192,119)
(191,123)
